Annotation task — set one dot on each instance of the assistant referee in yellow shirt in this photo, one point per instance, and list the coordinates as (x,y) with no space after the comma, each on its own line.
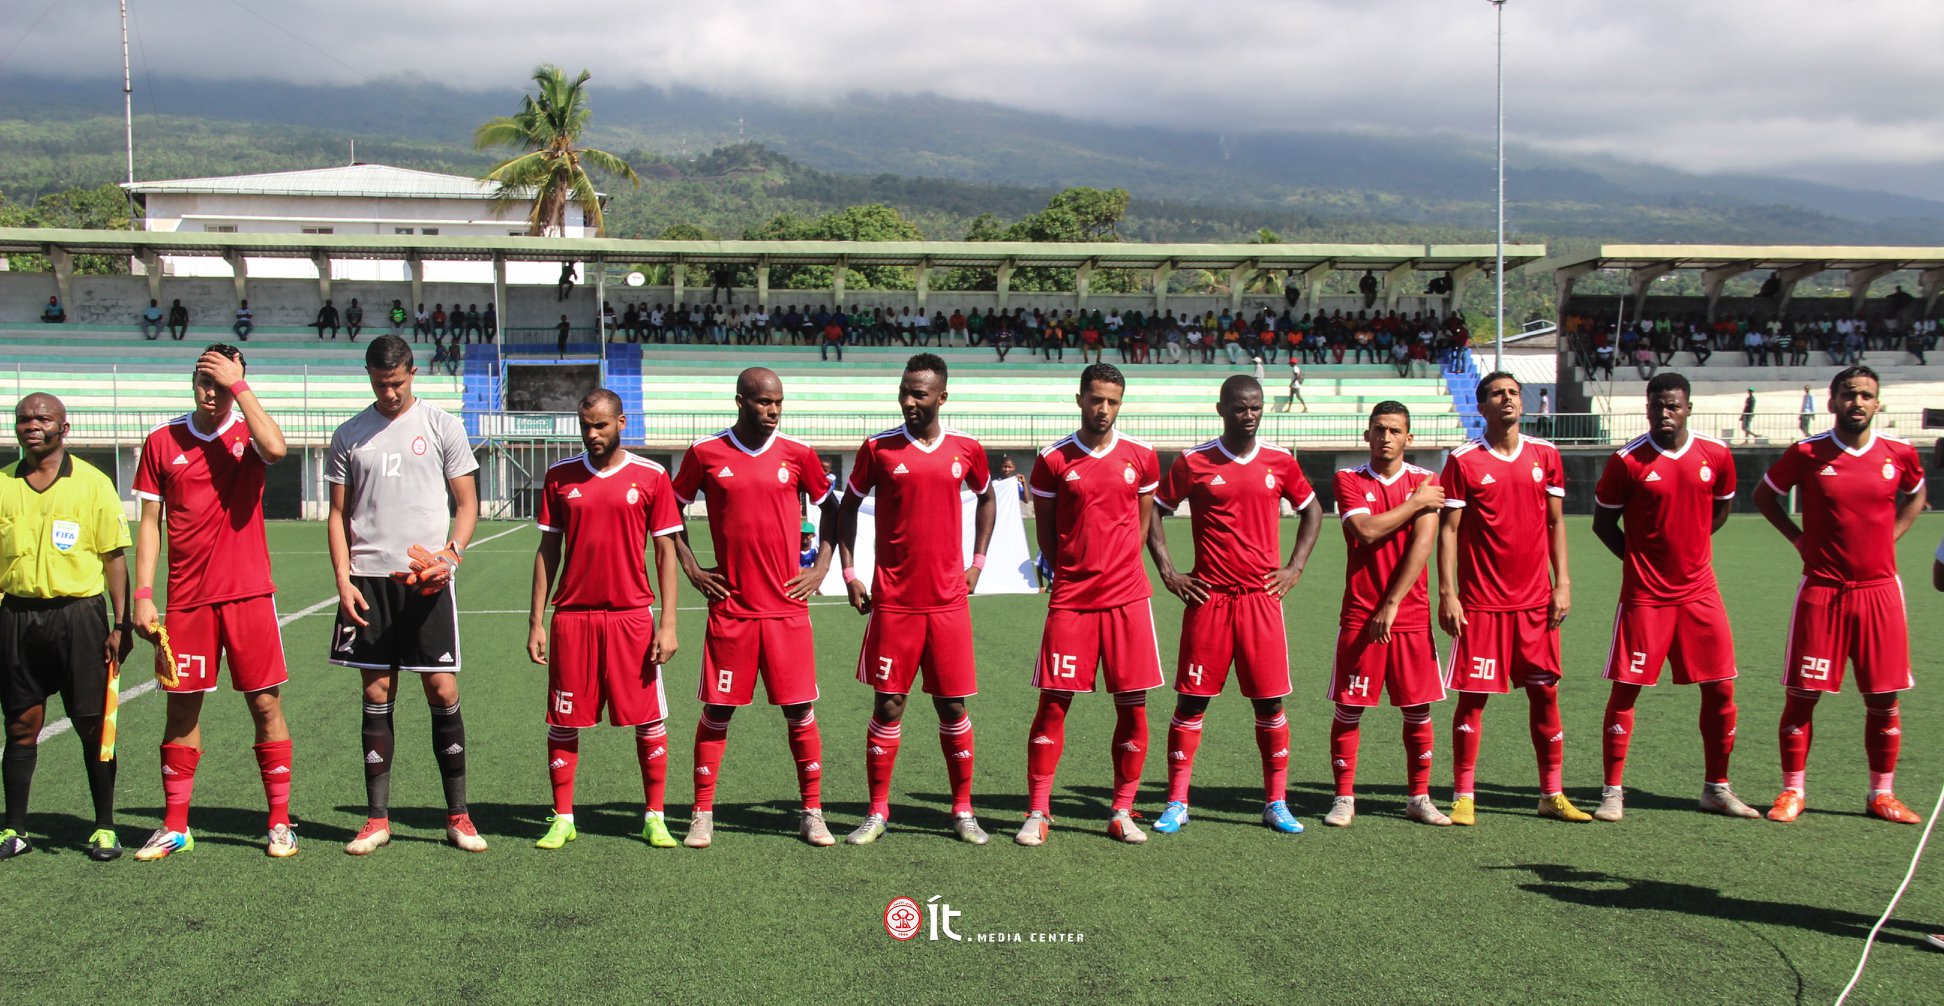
(62,534)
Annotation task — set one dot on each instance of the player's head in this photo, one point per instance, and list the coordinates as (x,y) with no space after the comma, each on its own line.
(921,391)
(1101,388)
(388,362)
(1668,406)
(212,399)
(759,400)
(40,425)
(1853,399)
(1240,405)
(1006,467)
(1500,400)
(1389,431)
(601,422)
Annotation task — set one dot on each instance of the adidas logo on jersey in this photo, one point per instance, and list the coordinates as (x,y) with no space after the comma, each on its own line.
(1072,475)
(1827,470)
(574,493)
(1487,480)
(374,758)
(1218,481)
(1652,477)
(901,469)
(725,473)
(181,459)
(453,749)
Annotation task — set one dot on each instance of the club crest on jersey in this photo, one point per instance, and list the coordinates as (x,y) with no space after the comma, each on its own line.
(782,474)
(1127,474)
(1707,474)
(958,469)
(1537,475)
(65,534)
(418,445)
(634,495)
(1269,479)
(1889,471)
(236,450)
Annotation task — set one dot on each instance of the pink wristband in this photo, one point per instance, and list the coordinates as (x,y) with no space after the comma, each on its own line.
(144,593)
(239,387)
(850,574)
(978,562)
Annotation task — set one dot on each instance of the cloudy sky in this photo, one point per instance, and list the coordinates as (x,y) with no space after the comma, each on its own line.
(1842,92)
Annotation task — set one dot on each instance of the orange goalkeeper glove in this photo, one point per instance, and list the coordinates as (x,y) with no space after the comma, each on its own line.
(430,571)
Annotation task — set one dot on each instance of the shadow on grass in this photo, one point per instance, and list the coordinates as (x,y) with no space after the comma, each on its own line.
(1597,889)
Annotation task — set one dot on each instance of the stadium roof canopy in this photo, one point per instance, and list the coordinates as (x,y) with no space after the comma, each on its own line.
(352,180)
(1719,263)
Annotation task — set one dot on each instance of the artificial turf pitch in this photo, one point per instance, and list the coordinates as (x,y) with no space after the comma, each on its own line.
(1670,905)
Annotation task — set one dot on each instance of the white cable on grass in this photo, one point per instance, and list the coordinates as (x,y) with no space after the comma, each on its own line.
(1892,907)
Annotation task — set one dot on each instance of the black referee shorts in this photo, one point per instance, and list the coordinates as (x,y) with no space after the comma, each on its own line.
(404,630)
(50,645)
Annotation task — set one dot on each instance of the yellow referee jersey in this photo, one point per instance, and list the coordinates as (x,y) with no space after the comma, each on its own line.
(51,542)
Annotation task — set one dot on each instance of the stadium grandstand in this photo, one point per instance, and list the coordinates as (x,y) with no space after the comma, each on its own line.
(671,351)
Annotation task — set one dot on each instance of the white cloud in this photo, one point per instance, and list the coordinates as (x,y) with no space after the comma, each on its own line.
(1780,86)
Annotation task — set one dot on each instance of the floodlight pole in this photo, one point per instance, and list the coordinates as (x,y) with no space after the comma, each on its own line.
(128,104)
(1498,271)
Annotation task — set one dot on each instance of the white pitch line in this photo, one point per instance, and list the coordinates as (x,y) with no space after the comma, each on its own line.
(62,725)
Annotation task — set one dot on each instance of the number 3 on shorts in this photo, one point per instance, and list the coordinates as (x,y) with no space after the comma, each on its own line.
(884,669)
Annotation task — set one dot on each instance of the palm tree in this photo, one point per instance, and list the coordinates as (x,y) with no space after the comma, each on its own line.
(551,167)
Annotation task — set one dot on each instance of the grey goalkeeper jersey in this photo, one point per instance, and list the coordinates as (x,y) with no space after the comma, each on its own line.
(394,474)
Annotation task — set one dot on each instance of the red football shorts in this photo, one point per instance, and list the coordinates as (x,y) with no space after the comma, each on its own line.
(1076,643)
(1499,649)
(1406,668)
(1859,623)
(597,658)
(898,643)
(245,631)
(737,651)
(1244,628)
(1693,636)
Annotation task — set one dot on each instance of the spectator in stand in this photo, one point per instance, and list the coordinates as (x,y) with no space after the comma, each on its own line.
(475,324)
(567,278)
(178,320)
(560,343)
(353,320)
(1808,411)
(245,322)
(1266,340)
(1781,344)
(1754,347)
(421,324)
(327,317)
(439,321)
(1853,345)
(1368,287)
(1748,417)
(1421,356)
(1698,344)
(1002,339)
(397,316)
(152,321)
(957,324)
(1295,387)
(489,323)
(1400,357)
(53,313)
(1603,353)
(974,328)
(833,335)
(1090,341)
(1914,344)
(1053,340)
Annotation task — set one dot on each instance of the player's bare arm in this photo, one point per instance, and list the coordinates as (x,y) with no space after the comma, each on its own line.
(1909,505)
(337,531)
(148,548)
(1722,508)
(1770,503)
(983,514)
(1045,534)
(1310,522)
(1369,528)
(1562,593)
(665,644)
(860,596)
(114,566)
(1606,527)
(546,563)
(265,435)
(1451,611)
(707,579)
(1424,534)
(1191,590)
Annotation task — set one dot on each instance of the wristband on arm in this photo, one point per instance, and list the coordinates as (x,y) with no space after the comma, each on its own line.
(978,561)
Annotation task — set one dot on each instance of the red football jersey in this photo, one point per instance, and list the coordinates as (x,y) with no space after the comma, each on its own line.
(211,491)
(754,517)
(1234,508)
(1667,499)
(1848,499)
(605,519)
(1504,555)
(920,519)
(1368,568)
(1097,514)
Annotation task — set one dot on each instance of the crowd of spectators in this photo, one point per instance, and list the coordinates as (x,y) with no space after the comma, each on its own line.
(1598,344)
(1413,343)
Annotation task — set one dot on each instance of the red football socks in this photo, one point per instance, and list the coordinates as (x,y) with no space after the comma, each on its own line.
(1130,746)
(1793,734)
(1882,739)
(651,751)
(1344,737)
(880,757)
(563,758)
(1418,733)
(178,782)
(806,749)
(273,764)
(711,737)
(1467,723)
(1272,740)
(1184,739)
(1548,737)
(955,740)
(1617,733)
(1045,743)
(1718,719)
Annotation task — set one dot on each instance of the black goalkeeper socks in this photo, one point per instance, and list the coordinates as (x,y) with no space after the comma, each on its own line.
(377,734)
(17,773)
(449,744)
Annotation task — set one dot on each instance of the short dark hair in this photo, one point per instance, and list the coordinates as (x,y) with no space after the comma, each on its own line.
(1238,383)
(1103,372)
(1496,375)
(1846,373)
(1391,407)
(927,361)
(602,396)
(225,349)
(1668,380)
(388,352)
